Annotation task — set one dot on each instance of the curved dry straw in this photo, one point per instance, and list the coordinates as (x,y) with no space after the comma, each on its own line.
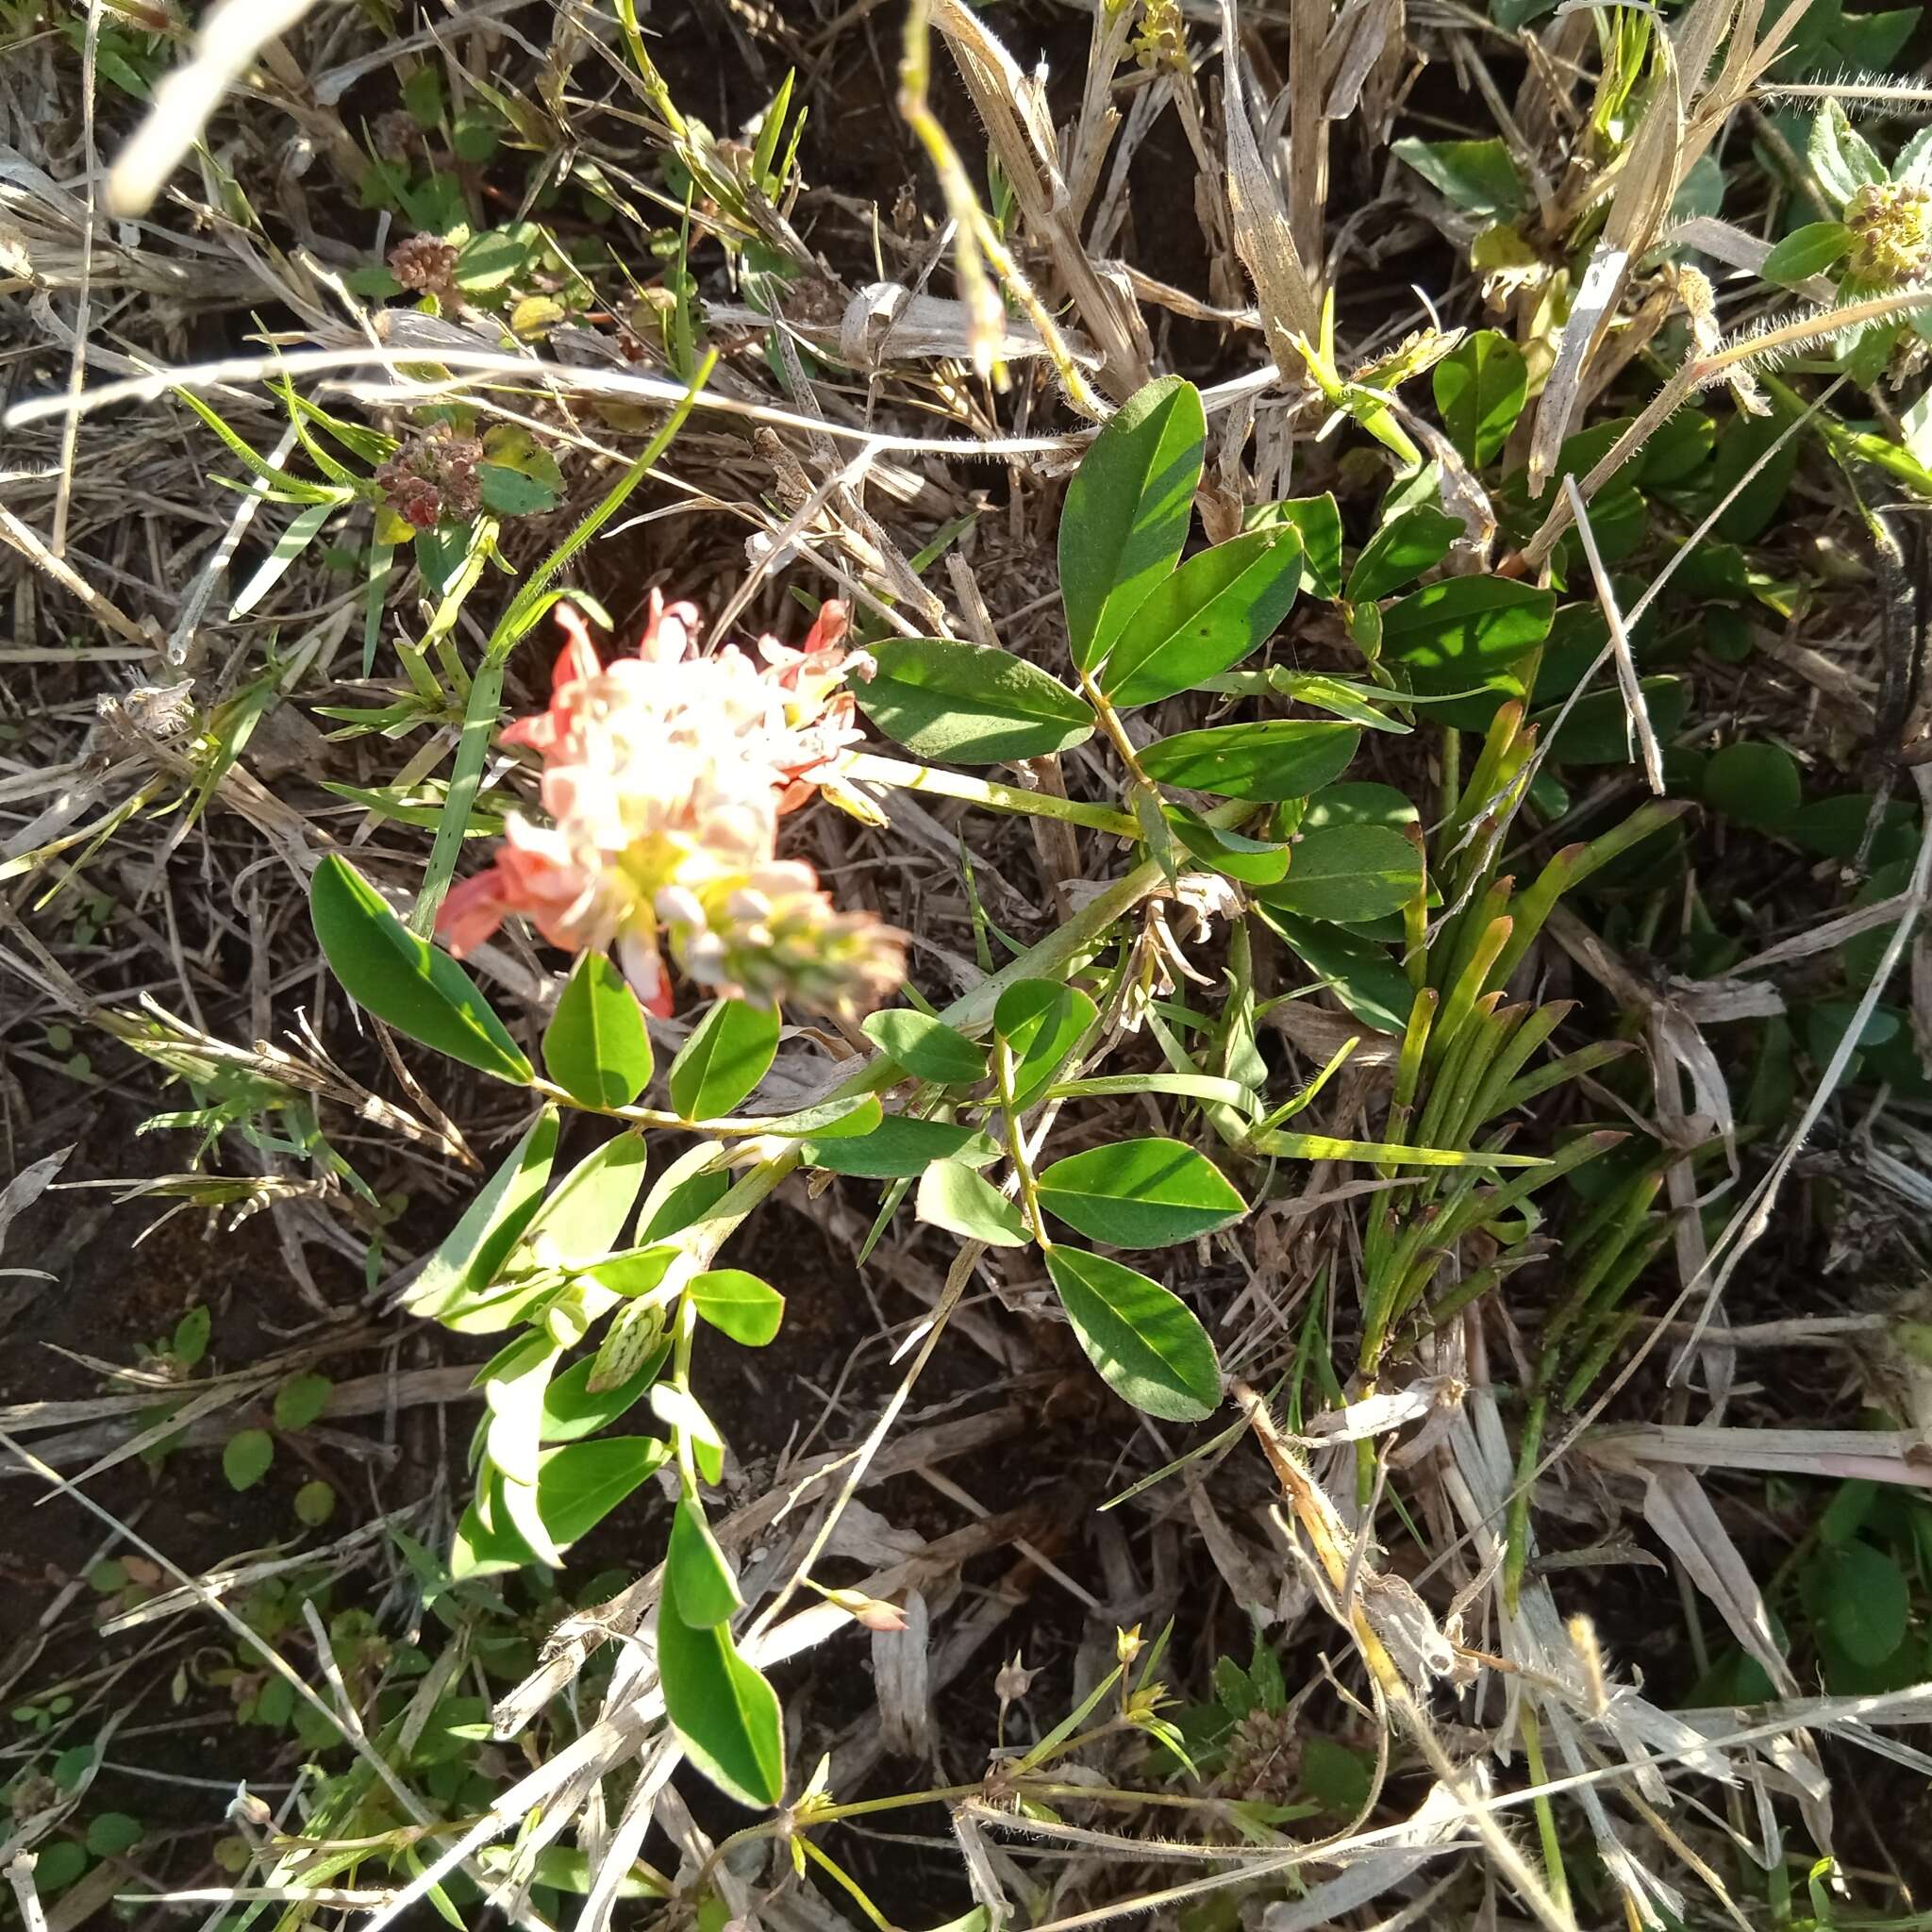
(1774,342)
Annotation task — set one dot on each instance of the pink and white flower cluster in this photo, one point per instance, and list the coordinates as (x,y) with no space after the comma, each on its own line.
(664,778)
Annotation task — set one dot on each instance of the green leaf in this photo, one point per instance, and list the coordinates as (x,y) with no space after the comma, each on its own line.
(315,1503)
(680,1411)
(491,259)
(1203,619)
(1042,1020)
(190,1341)
(1480,388)
(1758,785)
(58,1865)
(1147,1344)
(514,1385)
(246,1457)
(583,1218)
(969,704)
(1146,1194)
(1836,827)
(422,96)
(597,1047)
(512,493)
(1338,1779)
(476,1248)
(1318,522)
(1273,759)
(571,1411)
(1911,167)
(1597,731)
(686,1191)
(841,1118)
(1348,874)
(1232,1689)
(698,1575)
(899,1147)
(1841,156)
(1829,1020)
(728,1055)
(1867,1600)
(1453,635)
(111,1833)
(925,1047)
(302,531)
(738,1305)
(1409,543)
(1128,512)
(1476,176)
(1808,251)
(1745,450)
(301,1401)
(1677,448)
(577,1486)
(476,134)
(1254,861)
(953,1197)
(635,1271)
(724,1713)
(1362,802)
(404,981)
(1332,695)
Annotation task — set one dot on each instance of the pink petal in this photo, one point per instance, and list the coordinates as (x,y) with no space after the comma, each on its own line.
(470,912)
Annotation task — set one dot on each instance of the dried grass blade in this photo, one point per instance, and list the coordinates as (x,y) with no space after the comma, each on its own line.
(1627,681)
(1676,1505)
(1263,239)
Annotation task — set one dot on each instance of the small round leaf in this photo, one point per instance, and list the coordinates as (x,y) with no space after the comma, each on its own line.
(246,1458)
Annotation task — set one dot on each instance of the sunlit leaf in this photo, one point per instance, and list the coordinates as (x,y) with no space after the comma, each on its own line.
(1146,1194)
(966,1204)
(1409,543)
(1449,637)
(698,1577)
(1041,1021)
(1147,1344)
(1203,619)
(738,1305)
(473,1252)
(728,1052)
(577,1486)
(1350,873)
(404,981)
(1480,387)
(1272,759)
(726,1714)
(1127,511)
(925,1047)
(596,1046)
(969,704)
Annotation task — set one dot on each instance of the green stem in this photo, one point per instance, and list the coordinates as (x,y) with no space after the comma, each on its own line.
(1111,723)
(1016,1144)
(1545,1814)
(987,792)
(845,1881)
(899,1800)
